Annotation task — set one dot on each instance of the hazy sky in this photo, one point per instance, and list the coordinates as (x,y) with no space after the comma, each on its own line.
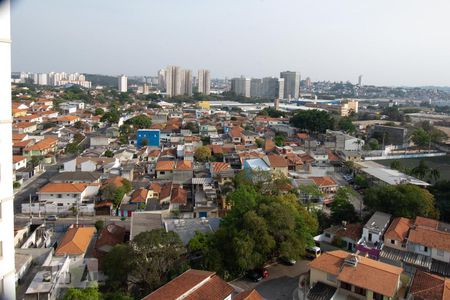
(390,42)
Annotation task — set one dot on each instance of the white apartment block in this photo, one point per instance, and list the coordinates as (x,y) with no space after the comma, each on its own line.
(7,268)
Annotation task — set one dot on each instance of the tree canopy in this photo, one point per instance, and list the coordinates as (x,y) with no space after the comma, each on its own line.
(140,122)
(262,224)
(346,124)
(403,200)
(313,120)
(202,154)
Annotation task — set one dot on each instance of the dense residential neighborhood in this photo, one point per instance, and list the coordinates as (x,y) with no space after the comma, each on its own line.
(236,197)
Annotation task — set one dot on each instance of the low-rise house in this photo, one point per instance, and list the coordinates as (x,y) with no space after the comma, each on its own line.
(64,198)
(178,198)
(249,137)
(164,169)
(221,171)
(67,120)
(397,233)
(235,134)
(371,241)
(205,197)
(320,156)
(42,147)
(343,275)
(277,164)
(19,161)
(427,286)
(140,197)
(91,164)
(24,127)
(75,242)
(183,172)
(343,236)
(76,177)
(326,184)
(193,284)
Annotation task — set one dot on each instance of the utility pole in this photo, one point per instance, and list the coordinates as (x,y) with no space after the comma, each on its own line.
(31,214)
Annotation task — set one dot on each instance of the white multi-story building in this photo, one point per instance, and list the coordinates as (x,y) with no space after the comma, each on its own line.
(123,83)
(204,82)
(7,269)
(241,86)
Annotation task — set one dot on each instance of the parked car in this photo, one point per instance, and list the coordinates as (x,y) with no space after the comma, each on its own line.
(51,218)
(287,261)
(258,274)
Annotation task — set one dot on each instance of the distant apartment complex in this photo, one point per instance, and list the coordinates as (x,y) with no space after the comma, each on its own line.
(241,86)
(54,79)
(268,87)
(178,81)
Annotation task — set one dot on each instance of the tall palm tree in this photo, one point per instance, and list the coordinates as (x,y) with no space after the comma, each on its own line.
(434,175)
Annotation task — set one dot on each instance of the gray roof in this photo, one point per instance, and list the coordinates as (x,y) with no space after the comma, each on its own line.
(145,221)
(76,176)
(186,228)
(378,222)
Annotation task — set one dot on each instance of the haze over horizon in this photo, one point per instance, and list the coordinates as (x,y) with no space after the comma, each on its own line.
(392,43)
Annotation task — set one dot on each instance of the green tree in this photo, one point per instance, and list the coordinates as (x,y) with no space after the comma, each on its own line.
(109,153)
(341,208)
(99,225)
(396,165)
(313,120)
(441,193)
(72,148)
(99,111)
(279,140)
(373,144)
(82,294)
(111,116)
(271,112)
(421,138)
(157,257)
(403,200)
(140,122)
(346,124)
(117,265)
(202,154)
(421,170)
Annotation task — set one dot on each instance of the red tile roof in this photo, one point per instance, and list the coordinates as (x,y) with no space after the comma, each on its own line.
(323,181)
(165,165)
(248,295)
(139,195)
(184,165)
(398,230)
(218,167)
(277,161)
(63,188)
(193,285)
(426,286)
(75,241)
(179,195)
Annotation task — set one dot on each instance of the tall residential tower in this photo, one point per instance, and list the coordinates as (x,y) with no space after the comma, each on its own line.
(204,82)
(291,84)
(122,83)
(7,270)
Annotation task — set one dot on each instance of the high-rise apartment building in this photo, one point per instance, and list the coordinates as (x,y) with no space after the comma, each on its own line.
(291,84)
(162,79)
(241,86)
(272,87)
(42,79)
(173,81)
(256,87)
(7,270)
(360,77)
(186,82)
(204,82)
(122,83)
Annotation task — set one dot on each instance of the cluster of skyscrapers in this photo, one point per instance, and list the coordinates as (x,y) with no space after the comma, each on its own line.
(285,87)
(177,81)
(54,79)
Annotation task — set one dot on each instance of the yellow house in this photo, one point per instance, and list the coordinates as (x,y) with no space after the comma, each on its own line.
(204,104)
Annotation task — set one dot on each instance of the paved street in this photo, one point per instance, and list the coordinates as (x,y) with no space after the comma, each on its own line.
(282,282)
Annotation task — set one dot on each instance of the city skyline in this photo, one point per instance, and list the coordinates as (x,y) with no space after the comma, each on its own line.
(392,44)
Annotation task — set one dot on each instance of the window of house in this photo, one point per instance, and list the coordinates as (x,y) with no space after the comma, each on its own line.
(425,248)
(327,235)
(440,252)
(331,277)
(60,204)
(360,291)
(162,172)
(51,195)
(346,286)
(377,296)
(392,242)
(59,195)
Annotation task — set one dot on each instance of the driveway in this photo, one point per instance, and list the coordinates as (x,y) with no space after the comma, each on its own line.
(281,284)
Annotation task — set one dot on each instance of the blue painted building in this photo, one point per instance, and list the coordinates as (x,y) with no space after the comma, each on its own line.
(152,136)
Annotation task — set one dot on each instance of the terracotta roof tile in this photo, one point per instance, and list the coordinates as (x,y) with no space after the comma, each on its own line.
(277,161)
(429,237)
(248,295)
(323,181)
(398,230)
(426,222)
(179,195)
(63,188)
(193,285)
(75,241)
(218,167)
(184,165)
(426,286)
(369,274)
(165,165)
(139,195)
